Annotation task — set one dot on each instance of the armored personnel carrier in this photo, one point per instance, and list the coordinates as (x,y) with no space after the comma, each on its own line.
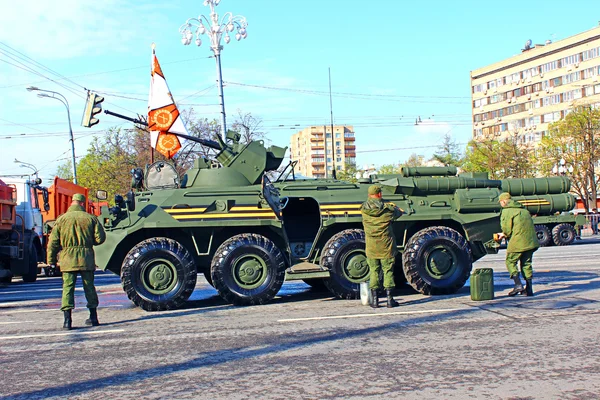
(247,232)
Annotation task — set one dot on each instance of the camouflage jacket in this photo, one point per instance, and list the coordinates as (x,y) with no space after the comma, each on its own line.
(517,225)
(377,218)
(74,235)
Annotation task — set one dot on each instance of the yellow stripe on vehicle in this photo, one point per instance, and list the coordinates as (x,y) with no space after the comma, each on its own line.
(225,215)
(246,208)
(334,206)
(184,210)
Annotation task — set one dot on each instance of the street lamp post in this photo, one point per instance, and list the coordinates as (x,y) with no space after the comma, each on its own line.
(27,165)
(215,31)
(63,100)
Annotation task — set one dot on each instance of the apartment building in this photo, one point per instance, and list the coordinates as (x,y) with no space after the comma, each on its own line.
(525,93)
(319,151)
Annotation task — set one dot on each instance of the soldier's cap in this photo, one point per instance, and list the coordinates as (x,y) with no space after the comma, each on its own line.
(504,196)
(374,189)
(79,197)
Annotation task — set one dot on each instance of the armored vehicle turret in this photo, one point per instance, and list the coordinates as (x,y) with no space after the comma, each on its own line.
(247,233)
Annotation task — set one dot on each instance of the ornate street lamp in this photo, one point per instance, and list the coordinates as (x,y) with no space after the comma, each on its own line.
(63,100)
(560,168)
(215,31)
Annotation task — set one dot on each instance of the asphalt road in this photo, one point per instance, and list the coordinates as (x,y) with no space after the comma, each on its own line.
(307,345)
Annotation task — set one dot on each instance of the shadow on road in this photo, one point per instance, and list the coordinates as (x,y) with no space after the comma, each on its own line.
(218,357)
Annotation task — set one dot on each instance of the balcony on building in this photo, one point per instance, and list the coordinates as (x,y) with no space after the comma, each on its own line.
(349,148)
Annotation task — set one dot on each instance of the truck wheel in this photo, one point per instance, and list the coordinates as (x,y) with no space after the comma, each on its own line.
(437,260)
(563,234)
(31,276)
(158,274)
(543,235)
(344,256)
(248,269)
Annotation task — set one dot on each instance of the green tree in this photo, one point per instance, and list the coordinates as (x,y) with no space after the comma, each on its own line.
(108,162)
(502,158)
(387,169)
(348,173)
(449,152)
(414,161)
(575,139)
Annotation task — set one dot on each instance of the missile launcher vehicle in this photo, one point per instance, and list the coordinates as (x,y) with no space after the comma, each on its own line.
(247,228)
(549,202)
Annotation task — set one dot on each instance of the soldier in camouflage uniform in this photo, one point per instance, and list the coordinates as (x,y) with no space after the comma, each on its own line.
(74,235)
(377,218)
(518,229)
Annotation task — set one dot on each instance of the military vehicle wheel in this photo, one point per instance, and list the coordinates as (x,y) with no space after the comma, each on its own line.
(437,260)
(248,269)
(31,276)
(344,256)
(316,284)
(543,234)
(158,274)
(563,234)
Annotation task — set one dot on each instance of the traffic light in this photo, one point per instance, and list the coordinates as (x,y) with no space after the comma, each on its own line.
(92,107)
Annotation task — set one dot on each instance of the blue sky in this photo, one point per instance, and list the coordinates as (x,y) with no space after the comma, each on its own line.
(391,61)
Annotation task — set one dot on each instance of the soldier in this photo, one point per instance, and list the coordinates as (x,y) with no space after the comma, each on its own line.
(518,229)
(74,235)
(377,218)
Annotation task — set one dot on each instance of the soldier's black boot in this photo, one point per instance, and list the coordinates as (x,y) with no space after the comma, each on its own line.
(518,289)
(374,299)
(93,319)
(68,324)
(390,300)
(528,287)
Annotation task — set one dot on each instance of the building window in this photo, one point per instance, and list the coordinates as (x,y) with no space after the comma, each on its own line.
(328,159)
(328,135)
(339,159)
(337,135)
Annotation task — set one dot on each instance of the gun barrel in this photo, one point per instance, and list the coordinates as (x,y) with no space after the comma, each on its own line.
(536,186)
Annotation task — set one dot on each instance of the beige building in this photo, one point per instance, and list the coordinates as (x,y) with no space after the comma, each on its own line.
(525,93)
(318,152)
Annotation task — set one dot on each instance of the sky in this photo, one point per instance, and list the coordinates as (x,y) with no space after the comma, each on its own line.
(391,63)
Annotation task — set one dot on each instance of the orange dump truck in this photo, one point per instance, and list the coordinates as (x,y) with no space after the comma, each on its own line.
(60,195)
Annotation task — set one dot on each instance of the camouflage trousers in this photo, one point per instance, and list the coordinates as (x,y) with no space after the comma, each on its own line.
(375,266)
(68,294)
(525,258)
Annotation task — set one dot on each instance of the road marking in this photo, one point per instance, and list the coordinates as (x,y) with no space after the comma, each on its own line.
(15,322)
(46,310)
(373,314)
(45,335)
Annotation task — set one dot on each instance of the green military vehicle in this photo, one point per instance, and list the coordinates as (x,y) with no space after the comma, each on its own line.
(247,233)
(549,202)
